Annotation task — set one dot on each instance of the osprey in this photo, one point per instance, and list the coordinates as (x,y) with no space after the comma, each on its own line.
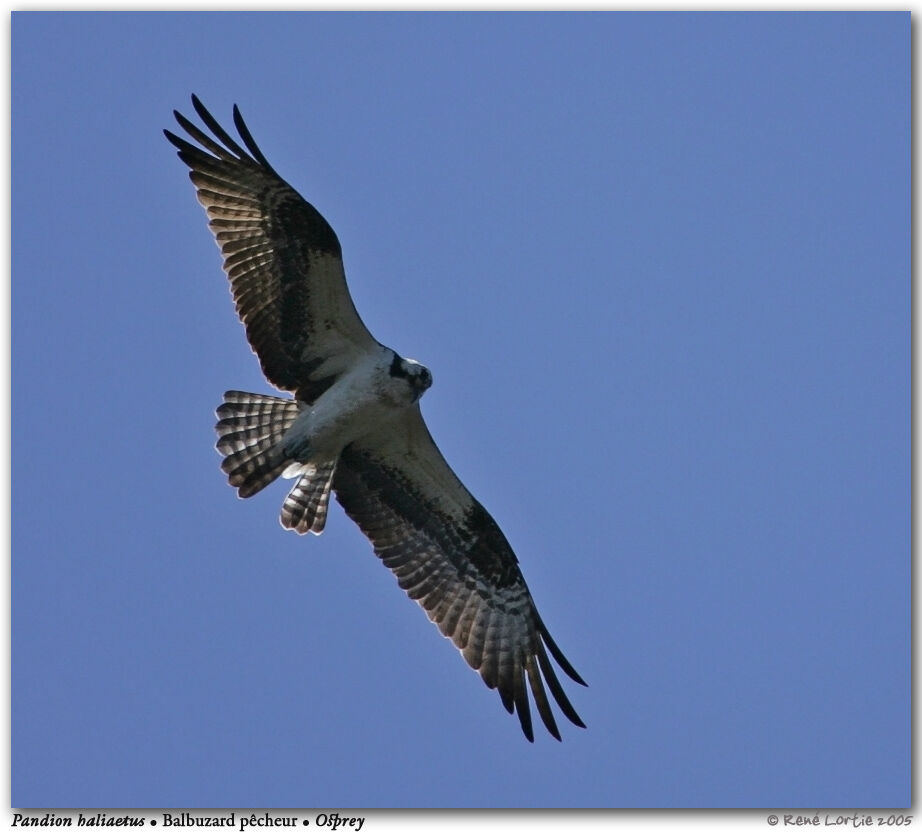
(354,425)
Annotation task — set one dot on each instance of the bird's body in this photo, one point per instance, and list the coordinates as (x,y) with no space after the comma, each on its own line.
(363,398)
(354,427)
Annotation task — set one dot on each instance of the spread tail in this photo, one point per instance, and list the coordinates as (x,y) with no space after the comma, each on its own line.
(249,428)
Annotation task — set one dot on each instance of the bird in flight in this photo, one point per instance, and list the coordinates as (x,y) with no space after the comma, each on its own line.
(354,426)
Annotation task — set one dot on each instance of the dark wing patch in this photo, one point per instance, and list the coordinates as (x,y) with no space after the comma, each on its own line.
(282,257)
(450,556)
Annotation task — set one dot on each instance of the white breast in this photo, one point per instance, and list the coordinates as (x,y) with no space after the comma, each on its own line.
(361,400)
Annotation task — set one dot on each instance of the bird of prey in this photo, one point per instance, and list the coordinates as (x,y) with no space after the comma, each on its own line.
(354,426)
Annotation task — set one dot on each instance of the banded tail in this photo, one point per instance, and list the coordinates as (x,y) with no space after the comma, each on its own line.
(305,508)
(250,430)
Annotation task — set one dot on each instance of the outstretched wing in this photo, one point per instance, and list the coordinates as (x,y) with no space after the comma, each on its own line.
(451,557)
(283,260)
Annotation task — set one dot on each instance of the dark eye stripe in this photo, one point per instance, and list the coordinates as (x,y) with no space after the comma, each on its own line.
(397,367)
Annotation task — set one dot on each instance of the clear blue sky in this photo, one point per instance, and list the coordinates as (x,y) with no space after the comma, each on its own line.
(659,266)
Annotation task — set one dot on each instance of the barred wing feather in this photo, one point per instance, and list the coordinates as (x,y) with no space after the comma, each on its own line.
(283,259)
(450,556)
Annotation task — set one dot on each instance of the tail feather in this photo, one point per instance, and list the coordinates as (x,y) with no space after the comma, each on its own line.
(305,508)
(249,428)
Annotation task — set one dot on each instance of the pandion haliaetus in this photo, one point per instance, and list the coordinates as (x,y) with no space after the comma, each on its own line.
(354,425)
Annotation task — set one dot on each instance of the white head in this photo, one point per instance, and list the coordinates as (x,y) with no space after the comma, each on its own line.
(417,376)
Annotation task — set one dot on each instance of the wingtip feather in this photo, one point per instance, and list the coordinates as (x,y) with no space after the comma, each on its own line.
(562,661)
(173,139)
(248,140)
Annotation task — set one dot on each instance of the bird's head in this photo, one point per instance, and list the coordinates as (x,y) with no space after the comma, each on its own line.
(417,375)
